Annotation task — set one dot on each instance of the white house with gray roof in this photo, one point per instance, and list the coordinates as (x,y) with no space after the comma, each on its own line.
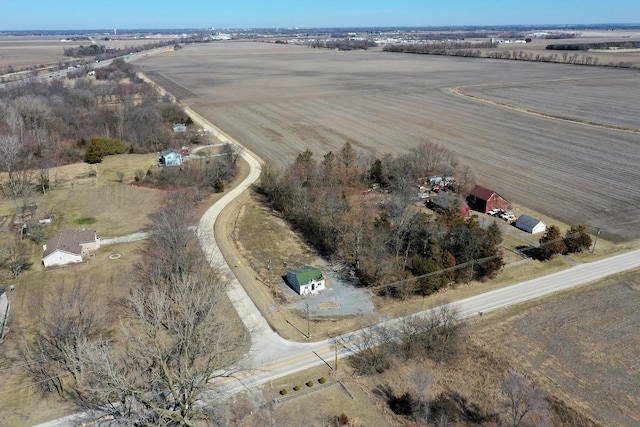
(69,247)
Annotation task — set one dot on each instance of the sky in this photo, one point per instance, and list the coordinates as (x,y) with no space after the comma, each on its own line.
(176,14)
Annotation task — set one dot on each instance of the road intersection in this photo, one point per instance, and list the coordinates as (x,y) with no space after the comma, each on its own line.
(271,356)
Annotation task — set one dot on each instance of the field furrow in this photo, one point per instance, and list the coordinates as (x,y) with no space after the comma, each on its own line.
(283,101)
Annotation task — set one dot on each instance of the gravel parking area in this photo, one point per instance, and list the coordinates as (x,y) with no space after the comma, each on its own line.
(340,298)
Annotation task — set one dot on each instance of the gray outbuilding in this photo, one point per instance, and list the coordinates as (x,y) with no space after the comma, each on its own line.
(530,224)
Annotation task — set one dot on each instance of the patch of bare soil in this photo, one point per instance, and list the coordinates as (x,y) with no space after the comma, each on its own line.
(582,347)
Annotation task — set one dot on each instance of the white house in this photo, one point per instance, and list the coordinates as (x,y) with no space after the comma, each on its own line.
(179,128)
(306,280)
(530,224)
(170,158)
(69,247)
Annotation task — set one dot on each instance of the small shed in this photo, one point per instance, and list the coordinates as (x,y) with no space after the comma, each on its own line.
(170,158)
(530,224)
(306,280)
(483,200)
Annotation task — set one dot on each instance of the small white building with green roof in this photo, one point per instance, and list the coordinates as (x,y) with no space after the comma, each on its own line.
(306,280)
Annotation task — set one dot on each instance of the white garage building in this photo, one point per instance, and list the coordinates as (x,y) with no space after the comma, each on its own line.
(306,280)
(530,224)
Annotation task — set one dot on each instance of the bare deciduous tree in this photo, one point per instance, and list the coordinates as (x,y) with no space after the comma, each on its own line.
(176,340)
(65,320)
(524,400)
(15,256)
(173,248)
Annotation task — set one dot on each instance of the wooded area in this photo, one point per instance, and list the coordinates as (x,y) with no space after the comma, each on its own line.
(384,235)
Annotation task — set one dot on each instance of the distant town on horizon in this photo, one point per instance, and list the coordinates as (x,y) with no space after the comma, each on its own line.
(289,30)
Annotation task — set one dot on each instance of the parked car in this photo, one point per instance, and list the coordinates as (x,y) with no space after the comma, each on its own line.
(508,216)
(494,212)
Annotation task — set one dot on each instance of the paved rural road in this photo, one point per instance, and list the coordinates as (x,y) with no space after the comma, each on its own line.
(271,356)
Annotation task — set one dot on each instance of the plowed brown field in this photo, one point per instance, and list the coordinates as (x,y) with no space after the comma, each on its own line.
(562,139)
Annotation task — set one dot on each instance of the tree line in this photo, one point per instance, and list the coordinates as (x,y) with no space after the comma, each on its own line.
(473,51)
(342,44)
(384,236)
(590,46)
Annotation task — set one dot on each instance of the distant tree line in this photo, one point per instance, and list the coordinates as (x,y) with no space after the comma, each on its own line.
(442,48)
(383,236)
(461,49)
(343,44)
(590,46)
(83,51)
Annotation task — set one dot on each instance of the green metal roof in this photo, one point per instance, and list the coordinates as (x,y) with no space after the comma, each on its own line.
(306,274)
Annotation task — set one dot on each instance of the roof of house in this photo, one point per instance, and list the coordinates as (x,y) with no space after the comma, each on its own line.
(168,152)
(69,241)
(482,193)
(306,274)
(528,221)
(449,200)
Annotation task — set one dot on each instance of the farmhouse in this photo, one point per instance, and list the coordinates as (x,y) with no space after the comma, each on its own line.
(530,224)
(306,280)
(483,200)
(69,247)
(179,128)
(170,158)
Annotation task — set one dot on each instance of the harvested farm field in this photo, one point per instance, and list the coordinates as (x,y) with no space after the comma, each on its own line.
(562,139)
(583,347)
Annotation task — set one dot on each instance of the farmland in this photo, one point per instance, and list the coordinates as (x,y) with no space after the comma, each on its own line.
(583,347)
(279,100)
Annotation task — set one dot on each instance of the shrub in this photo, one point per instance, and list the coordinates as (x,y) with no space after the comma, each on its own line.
(309,383)
(218,186)
(100,147)
(296,388)
(343,420)
(322,380)
(283,391)
(402,405)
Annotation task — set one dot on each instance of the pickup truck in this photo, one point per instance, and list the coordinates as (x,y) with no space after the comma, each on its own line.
(508,216)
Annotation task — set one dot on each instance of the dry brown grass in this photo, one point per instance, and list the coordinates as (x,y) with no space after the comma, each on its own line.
(281,100)
(475,375)
(118,209)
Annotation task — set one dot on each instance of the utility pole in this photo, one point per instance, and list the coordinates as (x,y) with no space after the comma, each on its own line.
(308,322)
(336,363)
(596,240)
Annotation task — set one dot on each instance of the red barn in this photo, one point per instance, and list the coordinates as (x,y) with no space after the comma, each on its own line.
(483,200)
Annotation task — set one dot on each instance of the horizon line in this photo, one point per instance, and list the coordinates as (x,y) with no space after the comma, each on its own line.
(455,26)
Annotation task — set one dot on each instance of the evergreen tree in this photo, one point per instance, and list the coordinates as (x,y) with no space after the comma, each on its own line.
(551,243)
(576,239)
